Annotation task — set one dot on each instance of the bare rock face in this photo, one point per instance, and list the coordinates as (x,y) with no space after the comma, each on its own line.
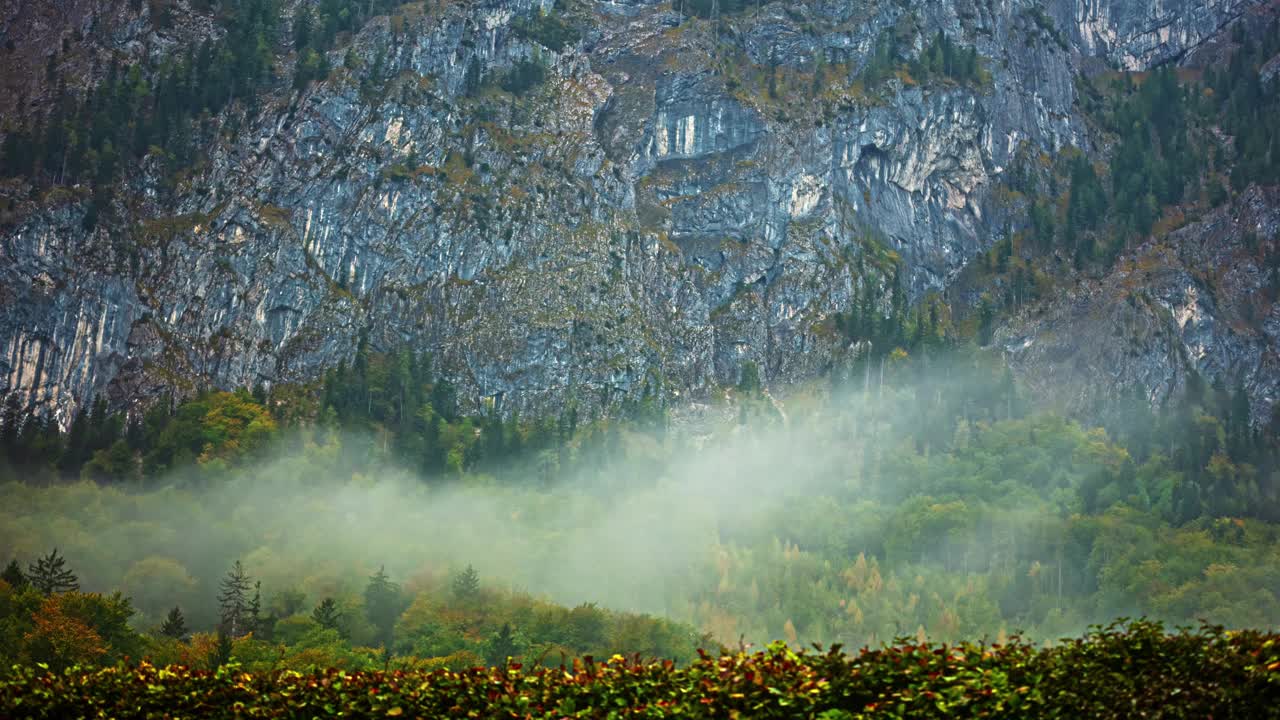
(650,210)
(1200,299)
(1135,36)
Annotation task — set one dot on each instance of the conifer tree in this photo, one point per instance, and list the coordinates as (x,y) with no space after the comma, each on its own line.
(466,585)
(13,575)
(174,625)
(50,575)
(77,441)
(502,646)
(382,604)
(326,614)
(233,601)
(254,613)
(11,424)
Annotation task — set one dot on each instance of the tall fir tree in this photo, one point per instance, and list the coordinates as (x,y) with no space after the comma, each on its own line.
(327,615)
(234,603)
(14,576)
(382,604)
(255,622)
(174,625)
(502,646)
(50,575)
(11,418)
(466,585)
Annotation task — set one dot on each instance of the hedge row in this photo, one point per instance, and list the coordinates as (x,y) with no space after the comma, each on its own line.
(1124,671)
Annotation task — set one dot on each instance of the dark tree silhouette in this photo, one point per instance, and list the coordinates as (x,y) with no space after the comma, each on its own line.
(50,575)
(382,604)
(13,575)
(327,615)
(502,646)
(174,625)
(466,585)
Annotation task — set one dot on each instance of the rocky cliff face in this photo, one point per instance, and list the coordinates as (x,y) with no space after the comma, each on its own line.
(1196,299)
(1133,36)
(653,210)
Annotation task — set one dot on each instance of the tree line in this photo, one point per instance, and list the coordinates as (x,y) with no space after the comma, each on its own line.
(936,497)
(45,618)
(1165,129)
(170,109)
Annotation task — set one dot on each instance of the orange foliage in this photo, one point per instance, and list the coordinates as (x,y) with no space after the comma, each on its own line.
(197,651)
(60,639)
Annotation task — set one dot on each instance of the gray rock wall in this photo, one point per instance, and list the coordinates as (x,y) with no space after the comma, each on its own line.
(635,215)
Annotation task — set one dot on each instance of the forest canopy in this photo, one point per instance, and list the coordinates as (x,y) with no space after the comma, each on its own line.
(936,500)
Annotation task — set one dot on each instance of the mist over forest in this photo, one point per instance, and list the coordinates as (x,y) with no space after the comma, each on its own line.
(922,496)
(700,358)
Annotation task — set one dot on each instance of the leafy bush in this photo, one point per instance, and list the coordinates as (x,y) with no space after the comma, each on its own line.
(1126,670)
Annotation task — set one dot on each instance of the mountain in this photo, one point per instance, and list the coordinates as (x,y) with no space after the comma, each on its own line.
(603,199)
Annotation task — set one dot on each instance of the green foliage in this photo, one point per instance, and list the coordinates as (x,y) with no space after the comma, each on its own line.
(218,428)
(1045,24)
(213,430)
(398,393)
(1120,671)
(547,29)
(1154,160)
(382,605)
(885,329)
(1178,142)
(66,628)
(220,653)
(1249,110)
(502,646)
(1085,209)
(117,463)
(713,9)
(311,66)
(524,76)
(938,501)
(91,139)
(943,59)
(940,60)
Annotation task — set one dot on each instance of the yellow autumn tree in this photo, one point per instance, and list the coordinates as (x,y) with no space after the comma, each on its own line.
(59,639)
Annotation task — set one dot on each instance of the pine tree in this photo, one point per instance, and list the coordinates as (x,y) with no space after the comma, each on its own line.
(11,424)
(302,25)
(174,625)
(77,442)
(327,615)
(382,604)
(13,575)
(986,321)
(1240,423)
(471,80)
(254,614)
(49,574)
(502,646)
(233,601)
(466,585)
